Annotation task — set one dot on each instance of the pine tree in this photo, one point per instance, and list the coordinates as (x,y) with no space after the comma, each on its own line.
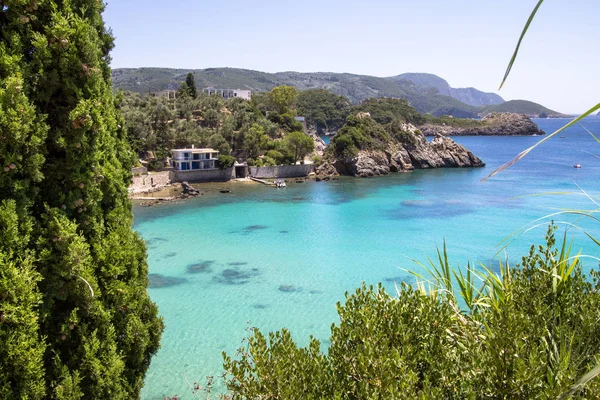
(191,84)
(76,320)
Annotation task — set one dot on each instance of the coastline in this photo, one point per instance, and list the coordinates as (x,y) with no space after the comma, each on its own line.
(175,193)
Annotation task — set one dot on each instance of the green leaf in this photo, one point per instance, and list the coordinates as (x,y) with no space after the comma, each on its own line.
(514,56)
(581,383)
(528,150)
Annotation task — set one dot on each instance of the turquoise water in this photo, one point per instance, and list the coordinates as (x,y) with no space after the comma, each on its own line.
(283,258)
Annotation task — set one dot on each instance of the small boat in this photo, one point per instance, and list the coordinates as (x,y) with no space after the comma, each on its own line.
(280,184)
(576,165)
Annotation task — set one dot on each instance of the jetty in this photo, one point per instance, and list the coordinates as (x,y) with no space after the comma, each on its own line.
(261,181)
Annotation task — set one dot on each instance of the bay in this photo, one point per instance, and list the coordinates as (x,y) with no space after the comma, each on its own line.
(274,258)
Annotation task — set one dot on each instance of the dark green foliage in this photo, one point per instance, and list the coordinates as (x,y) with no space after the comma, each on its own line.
(521,107)
(219,143)
(299,144)
(191,84)
(385,111)
(286,121)
(284,99)
(532,333)
(397,131)
(323,110)
(359,133)
(226,161)
(75,318)
(245,129)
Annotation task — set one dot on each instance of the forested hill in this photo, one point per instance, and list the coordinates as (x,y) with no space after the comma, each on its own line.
(470,96)
(427,93)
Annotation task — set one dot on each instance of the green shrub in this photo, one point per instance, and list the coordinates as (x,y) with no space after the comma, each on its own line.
(268,161)
(276,155)
(528,332)
(156,165)
(226,161)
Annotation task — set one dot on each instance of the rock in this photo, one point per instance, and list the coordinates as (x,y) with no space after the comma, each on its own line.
(319,142)
(441,152)
(188,190)
(496,124)
(325,171)
(444,152)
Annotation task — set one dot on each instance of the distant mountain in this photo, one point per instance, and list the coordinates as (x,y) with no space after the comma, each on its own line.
(427,93)
(469,96)
(523,107)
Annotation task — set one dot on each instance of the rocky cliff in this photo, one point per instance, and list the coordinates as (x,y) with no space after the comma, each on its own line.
(415,152)
(493,124)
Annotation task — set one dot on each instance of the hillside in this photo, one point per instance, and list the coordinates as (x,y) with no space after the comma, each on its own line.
(427,93)
(470,96)
(523,107)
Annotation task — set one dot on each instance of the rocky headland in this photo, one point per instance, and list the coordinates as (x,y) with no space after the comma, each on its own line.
(493,124)
(364,148)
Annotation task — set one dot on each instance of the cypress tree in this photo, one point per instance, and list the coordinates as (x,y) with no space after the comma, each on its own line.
(191,85)
(76,320)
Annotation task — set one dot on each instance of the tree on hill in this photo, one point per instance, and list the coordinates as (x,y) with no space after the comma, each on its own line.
(284,98)
(299,144)
(323,110)
(191,84)
(255,140)
(76,320)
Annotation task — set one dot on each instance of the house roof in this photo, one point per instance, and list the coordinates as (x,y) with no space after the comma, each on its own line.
(197,151)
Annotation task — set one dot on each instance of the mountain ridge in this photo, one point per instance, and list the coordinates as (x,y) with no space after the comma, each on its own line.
(436,98)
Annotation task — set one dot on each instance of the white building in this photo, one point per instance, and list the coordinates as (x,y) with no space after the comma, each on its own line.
(229,93)
(194,159)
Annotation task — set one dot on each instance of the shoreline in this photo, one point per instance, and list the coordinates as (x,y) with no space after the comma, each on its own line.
(174,192)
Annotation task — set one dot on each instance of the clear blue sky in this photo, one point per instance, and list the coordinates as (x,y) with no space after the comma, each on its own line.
(467,42)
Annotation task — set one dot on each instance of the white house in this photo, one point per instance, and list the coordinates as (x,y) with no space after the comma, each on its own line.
(194,159)
(229,93)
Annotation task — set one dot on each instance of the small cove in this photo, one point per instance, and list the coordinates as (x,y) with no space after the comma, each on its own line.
(273,258)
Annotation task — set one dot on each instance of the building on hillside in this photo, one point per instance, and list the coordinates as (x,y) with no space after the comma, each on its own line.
(169,94)
(194,159)
(229,93)
(302,120)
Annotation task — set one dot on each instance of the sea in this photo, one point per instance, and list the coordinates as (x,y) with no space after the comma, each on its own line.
(224,263)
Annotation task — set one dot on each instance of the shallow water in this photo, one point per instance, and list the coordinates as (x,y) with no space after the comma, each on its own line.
(275,258)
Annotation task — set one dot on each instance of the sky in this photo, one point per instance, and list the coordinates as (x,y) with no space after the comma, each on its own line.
(466,42)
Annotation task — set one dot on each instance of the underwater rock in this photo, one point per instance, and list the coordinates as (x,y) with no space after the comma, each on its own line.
(235,276)
(161,281)
(201,267)
(289,289)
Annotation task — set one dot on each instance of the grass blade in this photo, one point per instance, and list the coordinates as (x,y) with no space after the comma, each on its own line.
(581,383)
(514,57)
(528,150)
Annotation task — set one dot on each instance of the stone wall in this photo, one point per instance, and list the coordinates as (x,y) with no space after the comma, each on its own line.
(153,180)
(281,171)
(210,175)
(139,171)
